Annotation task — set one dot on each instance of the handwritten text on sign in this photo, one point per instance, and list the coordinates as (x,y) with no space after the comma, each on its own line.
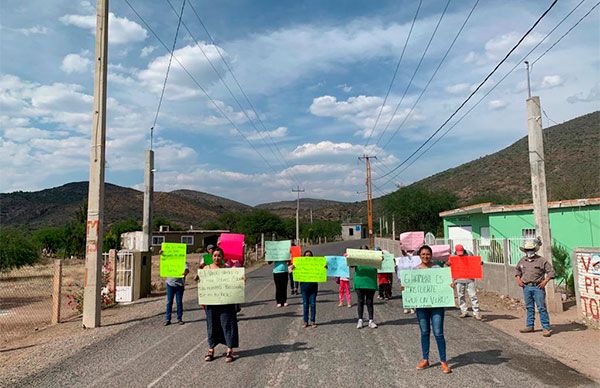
(310,269)
(588,284)
(337,267)
(221,286)
(406,262)
(277,250)
(466,267)
(172,260)
(364,257)
(430,287)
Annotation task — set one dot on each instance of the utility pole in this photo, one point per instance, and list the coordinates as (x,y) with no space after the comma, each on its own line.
(538,188)
(386,223)
(311,220)
(393,227)
(298,190)
(380,226)
(367,160)
(95,216)
(148,197)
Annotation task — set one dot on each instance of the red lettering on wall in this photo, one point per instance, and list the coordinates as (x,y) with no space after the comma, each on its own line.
(584,303)
(93,225)
(586,265)
(594,309)
(591,307)
(588,283)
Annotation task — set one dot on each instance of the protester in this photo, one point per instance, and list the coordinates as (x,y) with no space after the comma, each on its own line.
(344,291)
(365,285)
(430,318)
(533,273)
(280,277)
(175,288)
(221,320)
(467,285)
(309,298)
(384,282)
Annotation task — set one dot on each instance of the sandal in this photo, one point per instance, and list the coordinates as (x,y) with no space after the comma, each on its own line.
(229,356)
(210,355)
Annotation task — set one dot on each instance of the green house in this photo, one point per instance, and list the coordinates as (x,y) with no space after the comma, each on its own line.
(486,228)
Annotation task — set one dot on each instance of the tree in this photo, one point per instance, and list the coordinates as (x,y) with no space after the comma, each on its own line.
(261,221)
(50,240)
(112,238)
(158,221)
(16,250)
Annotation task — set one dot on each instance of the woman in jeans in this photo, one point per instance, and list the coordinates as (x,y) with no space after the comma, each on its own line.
(365,285)
(429,318)
(309,298)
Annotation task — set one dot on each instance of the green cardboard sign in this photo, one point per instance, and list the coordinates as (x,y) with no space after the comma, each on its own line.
(277,250)
(221,286)
(428,287)
(172,260)
(310,269)
(207,258)
(365,278)
(363,257)
(388,265)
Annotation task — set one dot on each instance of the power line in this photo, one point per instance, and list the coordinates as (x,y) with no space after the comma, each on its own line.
(395,73)
(214,103)
(433,75)
(473,92)
(222,80)
(162,93)
(496,85)
(414,73)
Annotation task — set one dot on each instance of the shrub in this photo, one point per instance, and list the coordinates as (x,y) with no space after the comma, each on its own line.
(16,250)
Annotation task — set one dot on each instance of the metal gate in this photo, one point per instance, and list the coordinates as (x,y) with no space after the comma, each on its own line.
(124,276)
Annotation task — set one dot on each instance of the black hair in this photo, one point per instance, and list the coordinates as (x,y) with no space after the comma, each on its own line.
(308,251)
(364,247)
(425,247)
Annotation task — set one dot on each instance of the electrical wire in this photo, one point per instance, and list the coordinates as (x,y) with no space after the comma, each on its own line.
(474,91)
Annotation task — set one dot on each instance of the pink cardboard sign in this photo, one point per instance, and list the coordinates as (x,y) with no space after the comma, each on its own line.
(441,252)
(412,240)
(233,246)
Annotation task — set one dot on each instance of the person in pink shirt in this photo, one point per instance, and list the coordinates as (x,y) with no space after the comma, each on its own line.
(344,291)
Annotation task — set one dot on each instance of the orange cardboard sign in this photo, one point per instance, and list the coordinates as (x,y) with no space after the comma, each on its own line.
(466,267)
(295,251)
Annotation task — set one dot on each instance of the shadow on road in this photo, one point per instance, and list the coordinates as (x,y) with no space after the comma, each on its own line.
(401,322)
(485,357)
(275,349)
(338,321)
(495,317)
(270,316)
(566,327)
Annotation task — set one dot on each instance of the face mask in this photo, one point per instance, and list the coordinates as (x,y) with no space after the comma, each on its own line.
(530,253)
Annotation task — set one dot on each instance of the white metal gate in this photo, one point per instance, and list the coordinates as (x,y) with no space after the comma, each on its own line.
(124,276)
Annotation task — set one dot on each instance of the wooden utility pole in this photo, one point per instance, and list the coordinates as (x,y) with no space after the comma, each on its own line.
(538,187)
(298,190)
(367,160)
(95,221)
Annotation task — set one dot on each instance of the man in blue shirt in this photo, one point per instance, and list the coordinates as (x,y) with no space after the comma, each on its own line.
(175,288)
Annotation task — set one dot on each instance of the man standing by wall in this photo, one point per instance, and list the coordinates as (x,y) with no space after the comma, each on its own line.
(468,286)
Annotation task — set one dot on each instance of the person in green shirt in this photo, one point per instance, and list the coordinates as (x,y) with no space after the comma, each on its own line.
(365,285)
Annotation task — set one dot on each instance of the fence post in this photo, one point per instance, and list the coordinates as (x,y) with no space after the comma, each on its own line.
(256,252)
(506,258)
(112,279)
(56,291)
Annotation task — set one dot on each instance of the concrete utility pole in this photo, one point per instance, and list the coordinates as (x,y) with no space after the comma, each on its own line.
(95,216)
(298,190)
(380,227)
(148,198)
(311,220)
(538,190)
(367,160)
(393,227)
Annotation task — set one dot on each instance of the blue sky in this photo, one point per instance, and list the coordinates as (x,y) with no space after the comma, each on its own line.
(316,73)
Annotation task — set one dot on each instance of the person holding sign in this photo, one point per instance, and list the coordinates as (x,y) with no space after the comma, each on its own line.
(221,320)
(278,253)
(172,262)
(309,292)
(431,317)
(467,285)
(365,285)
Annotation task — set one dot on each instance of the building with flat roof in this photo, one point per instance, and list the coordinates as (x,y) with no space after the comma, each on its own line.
(354,231)
(194,239)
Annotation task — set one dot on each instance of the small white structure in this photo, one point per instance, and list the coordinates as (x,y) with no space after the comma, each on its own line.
(354,231)
(132,241)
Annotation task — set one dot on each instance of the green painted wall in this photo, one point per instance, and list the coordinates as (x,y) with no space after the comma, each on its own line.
(476,221)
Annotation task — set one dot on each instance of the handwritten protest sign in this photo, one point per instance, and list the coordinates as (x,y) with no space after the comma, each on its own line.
(310,269)
(172,260)
(296,251)
(221,286)
(441,252)
(277,250)
(406,262)
(337,267)
(232,245)
(427,288)
(412,240)
(364,257)
(388,265)
(466,267)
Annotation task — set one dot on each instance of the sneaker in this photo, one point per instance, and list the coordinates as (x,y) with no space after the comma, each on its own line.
(359,325)
(314,325)
(412,311)
(406,311)
(547,332)
(180,322)
(423,364)
(349,304)
(340,305)
(477,316)
(446,368)
(305,325)
(167,323)
(285,304)
(372,325)
(278,304)
(463,314)
(527,329)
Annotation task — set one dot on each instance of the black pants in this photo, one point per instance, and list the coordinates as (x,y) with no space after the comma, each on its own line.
(281,280)
(385,291)
(365,296)
(293,285)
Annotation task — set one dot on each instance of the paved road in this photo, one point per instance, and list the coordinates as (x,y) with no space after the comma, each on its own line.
(277,351)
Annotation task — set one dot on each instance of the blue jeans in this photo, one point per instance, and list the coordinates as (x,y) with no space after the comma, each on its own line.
(309,299)
(177,292)
(534,295)
(434,318)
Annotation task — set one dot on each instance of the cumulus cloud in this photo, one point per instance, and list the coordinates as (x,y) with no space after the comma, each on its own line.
(458,88)
(75,63)
(593,95)
(121,30)
(35,30)
(328,148)
(147,51)
(346,88)
(277,133)
(551,81)
(497,104)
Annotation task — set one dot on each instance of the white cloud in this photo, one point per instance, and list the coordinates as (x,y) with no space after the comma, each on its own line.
(346,88)
(458,88)
(25,134)
(277,133)
(497,104)
(121,30)
(593,95)
(75,63)
(551,81)
(147,51)
(498,47)
(328,148)
(35,30)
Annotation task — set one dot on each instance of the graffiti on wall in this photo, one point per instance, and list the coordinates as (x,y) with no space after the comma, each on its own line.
(588,284)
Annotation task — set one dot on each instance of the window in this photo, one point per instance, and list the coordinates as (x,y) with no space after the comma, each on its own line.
(484,232)
(350,231)
(158,240)
(528,233)
(188,240)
